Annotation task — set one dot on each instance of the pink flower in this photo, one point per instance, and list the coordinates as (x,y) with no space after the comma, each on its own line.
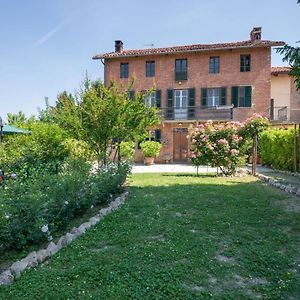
(222,142)
(234,152)
(193,155)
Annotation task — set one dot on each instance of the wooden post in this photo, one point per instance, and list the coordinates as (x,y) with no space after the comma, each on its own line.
(299,147)
(295,148)
(254,153)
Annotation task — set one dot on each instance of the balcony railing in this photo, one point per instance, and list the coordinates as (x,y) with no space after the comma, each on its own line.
(279,113)
(217,113)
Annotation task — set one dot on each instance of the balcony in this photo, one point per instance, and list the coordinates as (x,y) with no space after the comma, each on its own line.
(279,113)
(215,113)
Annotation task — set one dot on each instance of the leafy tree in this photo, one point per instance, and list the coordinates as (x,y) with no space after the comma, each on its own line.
(292,56)
(19,119)
(104,116)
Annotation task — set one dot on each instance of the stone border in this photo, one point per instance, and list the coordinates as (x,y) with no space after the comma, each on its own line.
(36,257)
(275,183)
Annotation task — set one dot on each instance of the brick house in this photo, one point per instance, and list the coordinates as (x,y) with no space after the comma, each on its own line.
(196,83)
(285,98)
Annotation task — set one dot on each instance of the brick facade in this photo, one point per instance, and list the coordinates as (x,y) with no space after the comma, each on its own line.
(259,77)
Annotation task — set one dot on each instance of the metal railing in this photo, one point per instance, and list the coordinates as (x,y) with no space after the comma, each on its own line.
(217,113)
(279,113)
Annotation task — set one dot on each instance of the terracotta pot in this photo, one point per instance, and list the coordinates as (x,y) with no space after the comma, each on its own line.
(149,161)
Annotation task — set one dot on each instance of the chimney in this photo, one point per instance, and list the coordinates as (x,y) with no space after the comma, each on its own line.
(255,34)
(118,46)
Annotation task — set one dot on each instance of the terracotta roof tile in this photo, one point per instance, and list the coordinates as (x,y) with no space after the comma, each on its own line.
(190,48)
(280,70)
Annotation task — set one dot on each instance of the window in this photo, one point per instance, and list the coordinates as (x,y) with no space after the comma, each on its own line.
(181,98)
(213,97)
(181,69)
(245,63)
(150,99)
(124,70)
(214,64)
(241,96)
(150,68)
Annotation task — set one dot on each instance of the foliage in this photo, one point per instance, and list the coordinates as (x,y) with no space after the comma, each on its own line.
(276,148)
(292,56)
(217,145)
(78,149)
(103,116)
(256,123)
(147,250)
(127,150)
(19,119)
(150,148)
(52,200)
(44,146)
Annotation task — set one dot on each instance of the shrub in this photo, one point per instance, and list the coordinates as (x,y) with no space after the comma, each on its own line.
(217,145)
(150,148)
(127,150)
(276,148)
(50,201)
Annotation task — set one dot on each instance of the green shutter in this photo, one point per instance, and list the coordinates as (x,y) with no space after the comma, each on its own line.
(204,96)
(131,94)
(223,95)
(158,98)
(170,98)
(235,96)
(157,136)
(191,101)
(248,94)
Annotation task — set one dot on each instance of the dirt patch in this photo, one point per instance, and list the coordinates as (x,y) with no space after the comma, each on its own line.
(159,238)
(178,214)
(193,288)
(290,204)
(225,259)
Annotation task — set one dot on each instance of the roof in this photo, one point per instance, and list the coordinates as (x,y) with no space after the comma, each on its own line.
(280,70)
(190,48)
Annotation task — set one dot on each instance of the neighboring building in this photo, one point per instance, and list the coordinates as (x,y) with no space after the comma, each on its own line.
(285,102)
(196,83)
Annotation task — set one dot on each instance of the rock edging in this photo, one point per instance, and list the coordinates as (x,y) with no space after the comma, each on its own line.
(36,257)
(275,183)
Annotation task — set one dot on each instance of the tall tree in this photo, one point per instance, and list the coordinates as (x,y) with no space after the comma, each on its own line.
(292,56)
(104,116)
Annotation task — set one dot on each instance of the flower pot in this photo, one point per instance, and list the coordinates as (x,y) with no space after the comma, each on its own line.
(149,161)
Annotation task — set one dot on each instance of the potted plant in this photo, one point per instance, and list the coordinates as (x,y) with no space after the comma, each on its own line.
(150,150)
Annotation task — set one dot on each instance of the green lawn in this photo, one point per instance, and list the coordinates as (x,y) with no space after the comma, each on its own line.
(180,237)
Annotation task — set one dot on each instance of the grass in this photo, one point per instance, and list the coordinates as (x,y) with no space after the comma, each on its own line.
(180,237)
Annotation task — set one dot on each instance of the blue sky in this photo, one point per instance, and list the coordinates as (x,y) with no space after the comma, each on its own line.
(47,46)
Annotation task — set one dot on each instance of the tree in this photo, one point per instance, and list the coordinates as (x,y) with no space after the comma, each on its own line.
(104,116)
(19,119)
(292,56)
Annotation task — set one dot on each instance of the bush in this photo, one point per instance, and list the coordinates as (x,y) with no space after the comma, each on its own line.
(127,150)
(217,145)
(150,148)
(31,211)
(276,148)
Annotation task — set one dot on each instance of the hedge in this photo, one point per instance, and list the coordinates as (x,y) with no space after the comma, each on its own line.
(277,148)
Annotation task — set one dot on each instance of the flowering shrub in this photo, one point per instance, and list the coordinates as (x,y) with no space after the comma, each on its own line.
(32,211)
(217,145)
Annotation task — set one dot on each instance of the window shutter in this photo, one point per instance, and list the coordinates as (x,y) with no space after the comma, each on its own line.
(248,92)
(170,98)
(169,114)
(157,136)
(191,97)
(235,96)
(158,98)
(131,94)
(204,96)
(223,95)
(191,104)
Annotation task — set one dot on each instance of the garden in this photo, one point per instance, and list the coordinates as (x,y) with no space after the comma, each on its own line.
(184,236)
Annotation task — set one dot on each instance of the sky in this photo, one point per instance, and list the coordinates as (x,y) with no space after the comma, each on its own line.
(46,46)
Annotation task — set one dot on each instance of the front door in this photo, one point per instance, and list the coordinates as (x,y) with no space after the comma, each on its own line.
(180,144)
